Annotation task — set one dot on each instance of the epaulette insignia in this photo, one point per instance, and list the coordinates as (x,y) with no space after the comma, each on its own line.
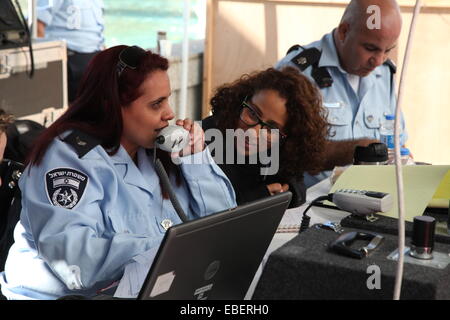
(81,142)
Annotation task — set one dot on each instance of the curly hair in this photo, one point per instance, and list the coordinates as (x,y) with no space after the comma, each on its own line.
(5,120)
(306,128)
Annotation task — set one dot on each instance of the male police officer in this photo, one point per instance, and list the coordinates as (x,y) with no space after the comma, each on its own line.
(350,66)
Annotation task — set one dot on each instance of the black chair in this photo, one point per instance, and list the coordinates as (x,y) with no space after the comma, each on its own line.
(10,205)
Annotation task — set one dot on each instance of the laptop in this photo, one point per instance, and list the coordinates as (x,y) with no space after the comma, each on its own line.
(217,256)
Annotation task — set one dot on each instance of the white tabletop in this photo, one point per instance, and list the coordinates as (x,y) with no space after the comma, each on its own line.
(293,216)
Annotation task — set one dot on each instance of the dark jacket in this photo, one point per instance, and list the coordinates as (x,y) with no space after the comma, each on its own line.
(247,181)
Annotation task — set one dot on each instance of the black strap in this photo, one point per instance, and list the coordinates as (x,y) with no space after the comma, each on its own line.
(81,142)
(294,48)
(311,57)
(392,68)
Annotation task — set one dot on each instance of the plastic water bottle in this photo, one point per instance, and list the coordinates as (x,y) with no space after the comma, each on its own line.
(406,157)
(387,135)
(387,131)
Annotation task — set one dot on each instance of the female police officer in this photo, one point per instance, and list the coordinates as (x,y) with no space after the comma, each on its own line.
(91,197)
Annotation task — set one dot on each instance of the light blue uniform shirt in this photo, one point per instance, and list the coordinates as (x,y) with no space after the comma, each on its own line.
(110,216)
(79,22)
(351,115)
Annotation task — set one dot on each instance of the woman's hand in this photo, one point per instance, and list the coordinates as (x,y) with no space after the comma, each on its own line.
(196,137)
(275,188)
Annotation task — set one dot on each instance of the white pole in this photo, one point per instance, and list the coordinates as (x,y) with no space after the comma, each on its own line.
(32,18)
(398,164)
(185,60)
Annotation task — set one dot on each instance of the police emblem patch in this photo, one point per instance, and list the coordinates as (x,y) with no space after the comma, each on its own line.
(65,187)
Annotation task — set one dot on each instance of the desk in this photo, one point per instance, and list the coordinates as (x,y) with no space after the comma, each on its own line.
(317,214)
(304,268)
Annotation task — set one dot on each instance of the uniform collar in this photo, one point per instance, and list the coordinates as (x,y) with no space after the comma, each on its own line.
(330,58)
(143,177)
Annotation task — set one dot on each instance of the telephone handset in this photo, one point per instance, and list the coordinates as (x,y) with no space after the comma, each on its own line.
(171,139)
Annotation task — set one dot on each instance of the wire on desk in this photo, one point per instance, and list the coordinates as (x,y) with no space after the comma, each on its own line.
(306,219)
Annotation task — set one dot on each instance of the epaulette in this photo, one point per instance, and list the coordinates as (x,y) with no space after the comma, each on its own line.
(391,65)
(294,48)
(81,142)
(310,57)
(393,69)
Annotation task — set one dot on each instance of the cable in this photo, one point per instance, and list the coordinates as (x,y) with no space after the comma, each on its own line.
(27,30)
(168,188)
(306,219)
(398,164)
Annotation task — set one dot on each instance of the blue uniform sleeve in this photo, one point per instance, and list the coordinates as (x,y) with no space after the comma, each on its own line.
(77,243)
(45,10)
(210,188)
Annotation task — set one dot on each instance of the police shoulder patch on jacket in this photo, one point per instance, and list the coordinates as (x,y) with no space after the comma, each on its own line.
(65,186)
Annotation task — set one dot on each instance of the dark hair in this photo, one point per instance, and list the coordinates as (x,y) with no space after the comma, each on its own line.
(306,128)
(97,108)
(101,95)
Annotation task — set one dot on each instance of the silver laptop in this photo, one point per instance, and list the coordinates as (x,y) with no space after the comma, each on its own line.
(215,257)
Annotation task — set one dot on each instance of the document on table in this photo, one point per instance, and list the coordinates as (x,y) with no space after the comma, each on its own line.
(421,184)
(134,275)
(442,195)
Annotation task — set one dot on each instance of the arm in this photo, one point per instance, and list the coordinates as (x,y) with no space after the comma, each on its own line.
(78,244)
(45,11)
(40,29)
(210,188)
(340,153)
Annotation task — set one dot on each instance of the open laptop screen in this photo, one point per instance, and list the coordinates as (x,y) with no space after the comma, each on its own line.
(217,256)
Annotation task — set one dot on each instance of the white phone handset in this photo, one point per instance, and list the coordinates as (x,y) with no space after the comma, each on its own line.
(172,138)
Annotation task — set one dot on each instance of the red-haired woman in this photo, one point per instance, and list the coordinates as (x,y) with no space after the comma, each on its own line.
(91,199)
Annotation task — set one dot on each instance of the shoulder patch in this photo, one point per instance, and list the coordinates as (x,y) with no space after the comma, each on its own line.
(65,187)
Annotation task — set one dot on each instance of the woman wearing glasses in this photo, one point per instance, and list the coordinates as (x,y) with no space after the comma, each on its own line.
(91,199)
(277,110)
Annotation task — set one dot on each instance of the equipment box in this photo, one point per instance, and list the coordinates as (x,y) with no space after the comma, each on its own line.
(27,97)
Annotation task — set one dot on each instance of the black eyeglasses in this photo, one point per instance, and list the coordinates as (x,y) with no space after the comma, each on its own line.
(250,117)
(129,58)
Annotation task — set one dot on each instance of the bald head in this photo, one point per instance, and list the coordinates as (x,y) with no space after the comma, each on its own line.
(368,31)
(358,12)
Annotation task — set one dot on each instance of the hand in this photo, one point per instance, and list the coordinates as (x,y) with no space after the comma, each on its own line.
(275,188)
(366,142)
(196,137)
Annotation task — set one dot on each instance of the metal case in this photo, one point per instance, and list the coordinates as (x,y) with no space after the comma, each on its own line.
(25,97)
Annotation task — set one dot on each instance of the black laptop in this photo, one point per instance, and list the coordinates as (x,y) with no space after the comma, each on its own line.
(215,257)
